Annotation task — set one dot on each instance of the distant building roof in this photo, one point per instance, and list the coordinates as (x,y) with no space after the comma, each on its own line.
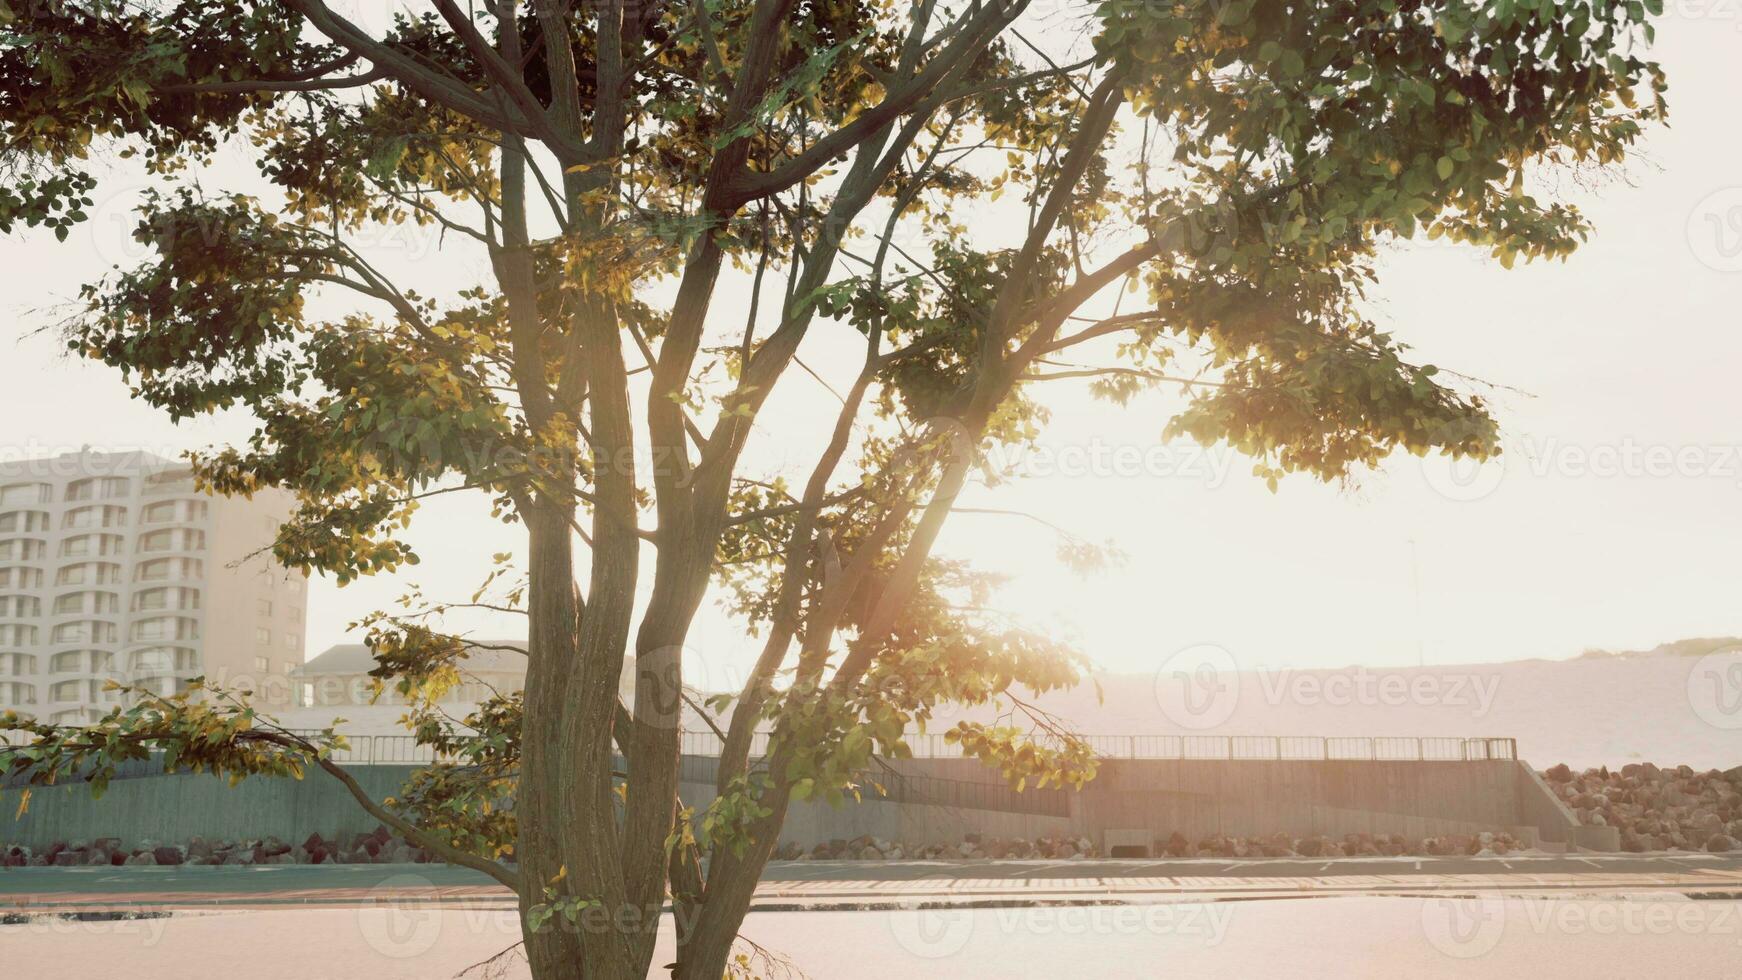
(355,658)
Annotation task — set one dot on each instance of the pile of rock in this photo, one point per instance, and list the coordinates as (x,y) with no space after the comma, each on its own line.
(867,848)
(1349,845)
(1061,847)
(1657,809)
(378,847)
(102,852)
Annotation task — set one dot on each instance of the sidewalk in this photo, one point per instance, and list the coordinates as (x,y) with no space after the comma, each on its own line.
(816,886)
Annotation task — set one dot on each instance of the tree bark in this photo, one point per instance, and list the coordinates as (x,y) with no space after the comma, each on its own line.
(552,953)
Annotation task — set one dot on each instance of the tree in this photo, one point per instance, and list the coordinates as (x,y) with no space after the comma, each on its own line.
(1236,164)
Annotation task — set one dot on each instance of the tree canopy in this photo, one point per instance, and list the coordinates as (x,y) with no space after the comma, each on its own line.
(665,200)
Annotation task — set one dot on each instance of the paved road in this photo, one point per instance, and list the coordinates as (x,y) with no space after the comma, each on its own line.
(1249,867)
(859,885)
(1350,938)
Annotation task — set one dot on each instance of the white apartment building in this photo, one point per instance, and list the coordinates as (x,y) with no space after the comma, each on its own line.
(113,567)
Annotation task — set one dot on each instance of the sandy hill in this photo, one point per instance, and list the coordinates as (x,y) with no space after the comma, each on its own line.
(1598,709)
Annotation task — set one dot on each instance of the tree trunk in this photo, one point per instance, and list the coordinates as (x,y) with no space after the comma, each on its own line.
(706,935)
(552,954)
(567,814)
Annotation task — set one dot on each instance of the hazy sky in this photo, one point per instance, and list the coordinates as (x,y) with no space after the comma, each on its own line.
(1615,520)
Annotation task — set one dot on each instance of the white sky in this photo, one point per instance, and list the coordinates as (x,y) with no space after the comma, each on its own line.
(1616,520)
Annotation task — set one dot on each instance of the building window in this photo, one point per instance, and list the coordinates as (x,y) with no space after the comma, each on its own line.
(20,578)
(23,520)
(183,511)
(95,516)
(17,664)
(292,641)
(261,666)
(166,627)
(22,549)
(173,481)
(25,493)
(92,573)
(83,632)
(173,539)
(262,636)
(263,606)
(15,692)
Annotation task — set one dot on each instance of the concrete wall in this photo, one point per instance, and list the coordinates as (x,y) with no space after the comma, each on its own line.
(1194,797)
(1200,797)
(1252,797)
(811,823)
(174,808)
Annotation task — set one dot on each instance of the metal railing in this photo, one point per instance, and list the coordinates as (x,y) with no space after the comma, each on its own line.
(404,749)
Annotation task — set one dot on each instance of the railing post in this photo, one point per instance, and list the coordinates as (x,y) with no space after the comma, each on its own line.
(1133,754)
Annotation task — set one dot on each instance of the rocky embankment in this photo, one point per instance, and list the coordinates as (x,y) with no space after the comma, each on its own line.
(1657,809)
(1067,848)
(380,847)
